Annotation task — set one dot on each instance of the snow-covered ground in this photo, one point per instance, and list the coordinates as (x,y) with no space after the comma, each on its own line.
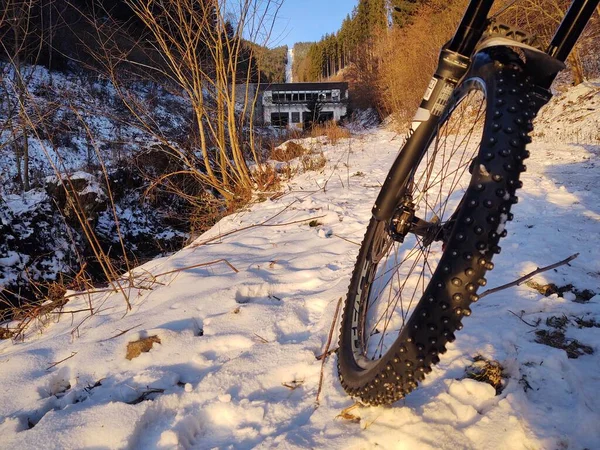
(236,366)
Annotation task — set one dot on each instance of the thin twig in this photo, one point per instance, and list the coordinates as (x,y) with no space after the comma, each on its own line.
(121,333)
(532,325)
(261,339)
(75,311)
(322,356)
(347,240)
(329,338)
(257,225)
(528,276)
(195,266)
(61,361)
(99,291)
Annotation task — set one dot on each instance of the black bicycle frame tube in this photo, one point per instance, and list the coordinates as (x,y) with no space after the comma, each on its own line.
(571,28)
(451,68)
(471,27)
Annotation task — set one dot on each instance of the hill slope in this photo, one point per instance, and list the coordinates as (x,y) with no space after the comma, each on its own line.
(236,364)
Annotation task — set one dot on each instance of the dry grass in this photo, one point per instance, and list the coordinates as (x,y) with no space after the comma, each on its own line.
(136,348)
(268,180)
(6,333)
(560,322)
(332,131)
(29,314)
(586,323)
(205,215)
(407,57)
(557,339)
(310,159)
(581,296)
(313,162)
(288,151)
(487,371)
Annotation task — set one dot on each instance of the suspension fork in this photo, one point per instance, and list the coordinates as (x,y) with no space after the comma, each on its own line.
(569,31)
(453,64)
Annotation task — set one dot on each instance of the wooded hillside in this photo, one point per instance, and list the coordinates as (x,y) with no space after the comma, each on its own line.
(388,55)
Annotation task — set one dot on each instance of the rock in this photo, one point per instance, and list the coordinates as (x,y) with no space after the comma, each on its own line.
(78,193)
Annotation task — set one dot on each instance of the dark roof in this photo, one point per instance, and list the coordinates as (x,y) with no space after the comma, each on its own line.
(305,86)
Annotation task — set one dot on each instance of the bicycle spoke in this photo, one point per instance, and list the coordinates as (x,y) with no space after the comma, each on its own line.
(402,270)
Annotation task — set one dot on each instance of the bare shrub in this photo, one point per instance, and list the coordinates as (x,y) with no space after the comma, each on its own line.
(408,56)
(205,59)
(542,17)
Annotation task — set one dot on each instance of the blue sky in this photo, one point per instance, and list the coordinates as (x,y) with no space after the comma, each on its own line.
(309,20)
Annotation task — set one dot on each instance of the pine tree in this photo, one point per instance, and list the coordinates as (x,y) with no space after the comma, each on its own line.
(404,10)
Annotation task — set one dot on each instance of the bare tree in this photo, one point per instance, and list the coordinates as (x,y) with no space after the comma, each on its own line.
(200,47)
(22,42)
(542,17)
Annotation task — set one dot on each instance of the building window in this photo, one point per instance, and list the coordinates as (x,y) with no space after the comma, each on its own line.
(325,116)
(280,119)
(295,117)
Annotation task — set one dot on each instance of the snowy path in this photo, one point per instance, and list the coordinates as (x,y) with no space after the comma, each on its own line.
(230,341)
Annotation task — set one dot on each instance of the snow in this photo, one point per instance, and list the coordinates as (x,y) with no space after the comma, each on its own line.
(21,204)
(573,115)
(90,126)
(236,366)
(11,259)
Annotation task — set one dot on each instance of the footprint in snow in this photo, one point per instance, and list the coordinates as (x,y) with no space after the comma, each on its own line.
(260,293)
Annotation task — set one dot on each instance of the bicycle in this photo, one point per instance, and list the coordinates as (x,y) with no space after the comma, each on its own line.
(443,207)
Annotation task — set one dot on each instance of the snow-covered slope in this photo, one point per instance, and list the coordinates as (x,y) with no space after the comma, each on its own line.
(572,115)
(236,366)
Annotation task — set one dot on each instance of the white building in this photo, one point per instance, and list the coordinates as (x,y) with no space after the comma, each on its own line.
(287,104)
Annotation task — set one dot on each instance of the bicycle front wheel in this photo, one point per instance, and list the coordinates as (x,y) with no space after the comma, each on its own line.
(418,273)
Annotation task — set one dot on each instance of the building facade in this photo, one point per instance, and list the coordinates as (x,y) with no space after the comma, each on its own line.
(295,104)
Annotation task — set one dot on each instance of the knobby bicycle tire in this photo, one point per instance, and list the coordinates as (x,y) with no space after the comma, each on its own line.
(477,225)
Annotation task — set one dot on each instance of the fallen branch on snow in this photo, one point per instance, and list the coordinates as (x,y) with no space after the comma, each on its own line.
(61,361)
(524,278)
(329,338)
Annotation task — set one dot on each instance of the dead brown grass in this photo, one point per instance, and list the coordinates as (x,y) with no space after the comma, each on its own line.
(136,348)
(313,162)
(557,339)
(288,151)
(407,57)
(487,371)
(332,131)
(268,180)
